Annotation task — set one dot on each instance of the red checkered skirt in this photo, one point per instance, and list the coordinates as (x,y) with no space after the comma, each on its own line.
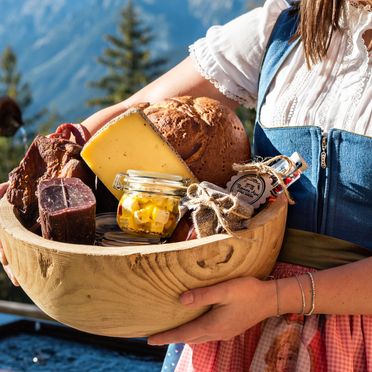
(334,343)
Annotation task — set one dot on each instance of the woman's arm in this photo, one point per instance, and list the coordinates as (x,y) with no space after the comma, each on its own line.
(181,80)
(239,304)
(343,290)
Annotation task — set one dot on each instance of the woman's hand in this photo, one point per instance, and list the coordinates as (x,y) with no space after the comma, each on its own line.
(3,260)
(6,266)
(237,305)
(3,188)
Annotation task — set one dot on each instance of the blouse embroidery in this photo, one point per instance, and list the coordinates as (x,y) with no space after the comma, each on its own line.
(249,102)
(335,93)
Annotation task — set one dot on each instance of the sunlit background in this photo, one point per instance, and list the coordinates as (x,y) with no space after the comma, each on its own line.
(62,60)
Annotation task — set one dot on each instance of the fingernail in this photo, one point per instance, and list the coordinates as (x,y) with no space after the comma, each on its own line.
(187,298)
(154,343)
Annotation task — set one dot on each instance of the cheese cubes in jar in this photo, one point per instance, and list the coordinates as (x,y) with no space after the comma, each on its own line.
(150,202)
(148,213)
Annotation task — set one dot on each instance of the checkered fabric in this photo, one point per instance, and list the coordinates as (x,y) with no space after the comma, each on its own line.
(292,342)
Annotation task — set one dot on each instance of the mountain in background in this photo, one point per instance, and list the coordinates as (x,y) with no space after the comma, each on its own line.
(57,42)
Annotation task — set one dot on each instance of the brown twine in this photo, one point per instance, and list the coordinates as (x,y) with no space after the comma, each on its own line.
(198,195)
(264,167)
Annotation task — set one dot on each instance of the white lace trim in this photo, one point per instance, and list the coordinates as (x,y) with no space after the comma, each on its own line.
(333,94)
(352,20)
(287,103)
(357,4)
(249,103)
(354,24)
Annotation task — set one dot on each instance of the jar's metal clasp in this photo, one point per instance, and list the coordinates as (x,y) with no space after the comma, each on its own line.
(119,181)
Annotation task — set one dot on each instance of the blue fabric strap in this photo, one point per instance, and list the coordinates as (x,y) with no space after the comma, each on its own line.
(172,357)
(278,48)
(334,198)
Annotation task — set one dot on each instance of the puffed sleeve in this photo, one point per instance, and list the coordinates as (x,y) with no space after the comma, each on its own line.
(230,55)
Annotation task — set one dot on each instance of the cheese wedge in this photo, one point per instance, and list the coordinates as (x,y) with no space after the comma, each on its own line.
(131,141)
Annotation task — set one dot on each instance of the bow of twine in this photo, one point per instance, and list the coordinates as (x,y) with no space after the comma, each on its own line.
(198,195)
(264,167)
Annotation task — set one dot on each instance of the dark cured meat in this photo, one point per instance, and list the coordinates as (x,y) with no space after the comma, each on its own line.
(185,230)
(67,209)
(46,158)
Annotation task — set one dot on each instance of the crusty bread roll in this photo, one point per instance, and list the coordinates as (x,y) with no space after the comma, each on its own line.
(206,134)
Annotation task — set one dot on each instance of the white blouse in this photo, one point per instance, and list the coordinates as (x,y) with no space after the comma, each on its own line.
(335,93)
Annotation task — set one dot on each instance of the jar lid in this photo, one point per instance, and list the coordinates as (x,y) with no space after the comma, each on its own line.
(151,182)
(162,176)
(109,234)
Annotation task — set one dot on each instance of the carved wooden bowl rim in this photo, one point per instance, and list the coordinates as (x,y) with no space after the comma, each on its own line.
(13,227)
(133,291)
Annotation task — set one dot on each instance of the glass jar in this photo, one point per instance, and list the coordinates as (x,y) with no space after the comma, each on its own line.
(150,202)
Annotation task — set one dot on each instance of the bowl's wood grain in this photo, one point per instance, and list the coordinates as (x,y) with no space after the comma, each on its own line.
(133,291)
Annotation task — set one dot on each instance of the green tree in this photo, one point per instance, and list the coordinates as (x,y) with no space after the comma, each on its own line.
(11,151)
(12,85)
(247,116)
(11,80)
(10,155)
(128,60)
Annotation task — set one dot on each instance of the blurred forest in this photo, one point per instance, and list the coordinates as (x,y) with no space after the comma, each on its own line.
(130,65)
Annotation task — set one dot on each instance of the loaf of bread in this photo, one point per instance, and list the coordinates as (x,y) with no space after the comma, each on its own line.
(206,134)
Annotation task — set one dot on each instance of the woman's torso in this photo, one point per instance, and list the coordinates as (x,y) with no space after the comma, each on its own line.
(334,196)
(336,93)
(324,113)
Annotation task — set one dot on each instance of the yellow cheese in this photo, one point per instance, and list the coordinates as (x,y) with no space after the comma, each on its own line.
(160,215)
(142,215)
(131,141)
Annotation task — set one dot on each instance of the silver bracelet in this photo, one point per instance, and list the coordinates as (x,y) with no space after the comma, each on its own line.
(312,294)
(302,296)
(277,298)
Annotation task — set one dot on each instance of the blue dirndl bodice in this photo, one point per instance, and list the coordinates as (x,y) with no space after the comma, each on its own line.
(334,195)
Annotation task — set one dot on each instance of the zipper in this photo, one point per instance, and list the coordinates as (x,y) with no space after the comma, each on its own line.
(323,153)
(322,181)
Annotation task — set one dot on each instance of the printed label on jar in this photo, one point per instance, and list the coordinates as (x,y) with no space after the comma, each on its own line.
(255,187)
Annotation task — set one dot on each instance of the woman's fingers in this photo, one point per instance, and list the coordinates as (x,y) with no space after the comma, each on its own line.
(193,330)
(212,326)
(208,326)
(215,294)
(3,260)
(3,188)
(11,276)
(237,305)
(6,266)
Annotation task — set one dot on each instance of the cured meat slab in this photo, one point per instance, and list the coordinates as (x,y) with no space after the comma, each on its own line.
(67,209)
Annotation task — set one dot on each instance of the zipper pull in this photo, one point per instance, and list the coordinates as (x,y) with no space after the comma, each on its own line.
(323,154)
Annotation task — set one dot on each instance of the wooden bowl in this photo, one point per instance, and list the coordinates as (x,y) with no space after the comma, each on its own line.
(133,291)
